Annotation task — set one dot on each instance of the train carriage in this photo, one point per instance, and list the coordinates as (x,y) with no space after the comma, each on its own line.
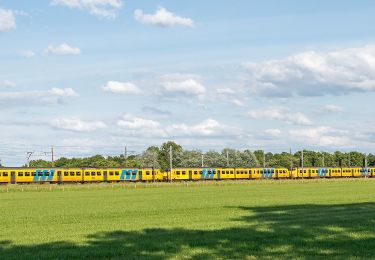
(179,174)
(334,172)
(32,175)
(93,175)
(149,174)
(282,173)
(226,173)
(255,173)
(70,175)
(347,172)
(242,173)
(209,174)
(4,175)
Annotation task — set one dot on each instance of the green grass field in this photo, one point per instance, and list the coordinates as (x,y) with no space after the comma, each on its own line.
(233,220)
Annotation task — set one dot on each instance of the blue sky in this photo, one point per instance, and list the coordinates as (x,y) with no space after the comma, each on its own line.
(91,76)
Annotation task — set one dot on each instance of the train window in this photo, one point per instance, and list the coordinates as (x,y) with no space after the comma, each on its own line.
(147,172)
(27,173)
(183,172)
(128,173)
(99,174)
(40,174)
(87,174)
(71,173)
(200,172)
(116,173)
(92,173)
(178,172)
(66,174)
(134,173)
(111,173)
(78,173)
(195,172)
(20,174)
(5,174)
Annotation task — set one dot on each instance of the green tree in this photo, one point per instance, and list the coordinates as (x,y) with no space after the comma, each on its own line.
(164,155)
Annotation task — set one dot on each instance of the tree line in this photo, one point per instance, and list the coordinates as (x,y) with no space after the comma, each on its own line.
(158,157)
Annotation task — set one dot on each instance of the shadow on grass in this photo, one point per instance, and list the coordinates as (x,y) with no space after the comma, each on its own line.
(296,231)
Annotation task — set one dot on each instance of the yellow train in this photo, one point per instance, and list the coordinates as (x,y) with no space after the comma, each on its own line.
(83,175)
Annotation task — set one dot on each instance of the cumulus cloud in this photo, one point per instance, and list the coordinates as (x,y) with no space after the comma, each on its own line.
(7,20)
(76,125)
(163,18)
(333,109)
(273,132)
(7,84)
(280,114)
(181,84)
(208,127)
(107,9)
(314,73)
(321,136)
(37,97)
(62,49)
(121,87)
(131,122)
(144,127)
(231,95)
(27,54)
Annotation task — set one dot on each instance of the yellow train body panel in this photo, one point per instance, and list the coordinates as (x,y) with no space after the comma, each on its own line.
(70,174)
(242,173)
(347,172)
(149,174)
(34,175)
(93,175)
(226,173)
(256,173)
(334,172)
(4,175)
(282,173)
(112,174)
(180,174)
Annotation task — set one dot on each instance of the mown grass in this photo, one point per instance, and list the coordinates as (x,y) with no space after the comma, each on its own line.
(217,220)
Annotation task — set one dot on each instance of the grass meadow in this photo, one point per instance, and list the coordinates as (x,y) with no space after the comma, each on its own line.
(204,220)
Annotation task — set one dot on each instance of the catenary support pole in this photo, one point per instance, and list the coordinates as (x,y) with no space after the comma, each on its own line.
(170,163)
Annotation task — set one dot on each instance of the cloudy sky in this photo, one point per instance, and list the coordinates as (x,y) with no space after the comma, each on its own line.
(91,76)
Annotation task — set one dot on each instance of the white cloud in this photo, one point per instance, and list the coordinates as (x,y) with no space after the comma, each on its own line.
(107,9)
(163,18)
(333,109)
(321,136)
(143,127)
(206,128)
(131,122)
(77,125)
(62,49)
(7,20)
(314,73)
(121,87)
(27,54)
(273,132)
(37,97)
(7,84)
(280,114)
(177,84)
